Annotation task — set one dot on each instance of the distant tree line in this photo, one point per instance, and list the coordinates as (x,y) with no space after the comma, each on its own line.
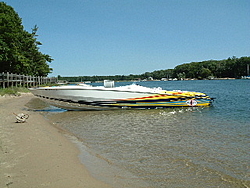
(19,49)
(156,75)
(231,68)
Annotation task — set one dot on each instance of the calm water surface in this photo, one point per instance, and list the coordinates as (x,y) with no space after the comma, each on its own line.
(176,147)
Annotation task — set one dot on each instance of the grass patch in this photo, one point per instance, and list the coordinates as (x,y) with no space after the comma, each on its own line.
(13,91)
(49,85)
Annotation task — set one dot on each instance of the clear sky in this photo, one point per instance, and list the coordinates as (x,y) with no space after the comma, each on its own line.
(122,37)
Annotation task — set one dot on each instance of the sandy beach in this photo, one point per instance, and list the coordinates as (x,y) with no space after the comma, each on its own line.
(35,154)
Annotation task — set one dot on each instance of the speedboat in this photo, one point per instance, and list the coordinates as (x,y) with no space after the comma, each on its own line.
(87,97)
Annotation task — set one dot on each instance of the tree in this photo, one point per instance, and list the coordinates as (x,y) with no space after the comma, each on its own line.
(19,51)
(240,67)
(205,73)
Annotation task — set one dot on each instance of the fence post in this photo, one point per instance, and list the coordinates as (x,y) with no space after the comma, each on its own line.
(3,79)
(23,80)
(20,80)
(11,79)
(8,79)
(26,81)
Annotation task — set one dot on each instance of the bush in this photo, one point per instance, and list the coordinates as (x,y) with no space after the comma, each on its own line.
(13,91)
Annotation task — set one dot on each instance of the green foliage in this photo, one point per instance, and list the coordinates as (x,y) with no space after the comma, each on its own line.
(19,51)
(231,67)
(49,85)
(159,74)
(13,91)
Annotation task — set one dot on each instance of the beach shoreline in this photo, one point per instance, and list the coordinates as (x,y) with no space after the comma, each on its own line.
(35,153)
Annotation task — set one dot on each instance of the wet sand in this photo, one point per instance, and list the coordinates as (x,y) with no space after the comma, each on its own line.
(35,154)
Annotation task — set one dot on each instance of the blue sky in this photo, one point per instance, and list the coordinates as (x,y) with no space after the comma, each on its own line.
(122,37)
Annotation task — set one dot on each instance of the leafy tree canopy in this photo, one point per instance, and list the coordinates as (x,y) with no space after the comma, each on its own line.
(19,51)
(231,67)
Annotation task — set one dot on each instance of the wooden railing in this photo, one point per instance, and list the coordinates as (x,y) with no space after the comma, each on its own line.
(11,80)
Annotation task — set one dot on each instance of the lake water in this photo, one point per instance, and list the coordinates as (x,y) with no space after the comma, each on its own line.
(175,147)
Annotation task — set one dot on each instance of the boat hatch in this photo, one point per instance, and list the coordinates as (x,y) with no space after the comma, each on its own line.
(109,83)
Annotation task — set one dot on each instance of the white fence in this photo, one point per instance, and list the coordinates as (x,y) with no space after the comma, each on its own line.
(10,80)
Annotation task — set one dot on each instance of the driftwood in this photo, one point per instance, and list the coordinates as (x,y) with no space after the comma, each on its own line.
(21,118)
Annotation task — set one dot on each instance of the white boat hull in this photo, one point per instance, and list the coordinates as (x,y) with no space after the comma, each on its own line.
(133,96)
